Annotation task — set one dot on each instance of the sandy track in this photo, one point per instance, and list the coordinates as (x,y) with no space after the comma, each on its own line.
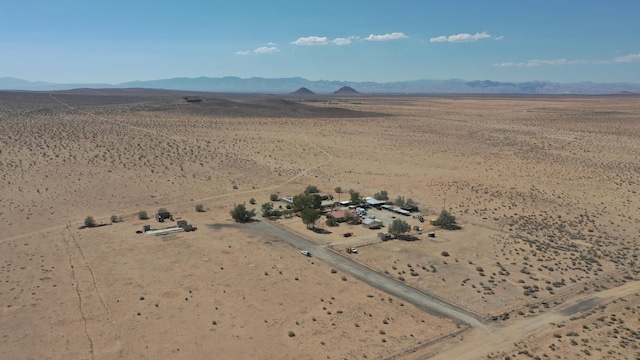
(477,344)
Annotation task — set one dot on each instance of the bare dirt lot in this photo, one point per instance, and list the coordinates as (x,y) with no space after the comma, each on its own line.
(545,190)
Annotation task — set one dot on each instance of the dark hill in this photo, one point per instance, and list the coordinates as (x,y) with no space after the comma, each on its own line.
(303,91)
(346,90)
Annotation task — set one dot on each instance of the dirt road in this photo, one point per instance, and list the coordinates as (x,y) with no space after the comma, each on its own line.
(477,345)
(374,278)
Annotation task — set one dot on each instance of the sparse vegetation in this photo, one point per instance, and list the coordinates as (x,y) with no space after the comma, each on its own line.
(273,197)
(200,208)
(252,201)
(115,219)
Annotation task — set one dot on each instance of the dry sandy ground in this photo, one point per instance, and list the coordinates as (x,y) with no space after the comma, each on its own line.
(545,189)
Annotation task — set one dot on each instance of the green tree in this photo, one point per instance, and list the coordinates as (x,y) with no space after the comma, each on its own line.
(338,191)
(252,201)
(355,198)
(382,195)
(311,189)
(348,217)
(331,221)
(267,209)
(303,201)
(142,215)
(399,226)
(309,217)
(200,208)
(89,221)
(399,201)
(273,197)
(241,214)
(446,220)
(410,204)
(162,210)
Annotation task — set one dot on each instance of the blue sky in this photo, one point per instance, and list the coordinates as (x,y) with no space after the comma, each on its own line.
(370,40)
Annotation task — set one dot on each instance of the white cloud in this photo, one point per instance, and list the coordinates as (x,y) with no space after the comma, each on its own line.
(386,37)
(345,41)
(534,63)
(464,37)
(498,37)
(311,40)
(266,50)
(341,41)
(628,58)
(261,50)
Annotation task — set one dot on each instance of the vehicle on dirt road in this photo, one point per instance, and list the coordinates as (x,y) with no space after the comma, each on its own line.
(352,250)
(306,253)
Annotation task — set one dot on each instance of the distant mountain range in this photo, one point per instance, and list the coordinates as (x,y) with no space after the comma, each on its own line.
(232,84)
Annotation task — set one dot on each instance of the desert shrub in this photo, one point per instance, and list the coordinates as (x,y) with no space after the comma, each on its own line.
(142,215)
(331,221)
(291,334)
(162,210)
(89,221)
(200,208)
(241,214)
(252,201)
(273,197)
(114,218)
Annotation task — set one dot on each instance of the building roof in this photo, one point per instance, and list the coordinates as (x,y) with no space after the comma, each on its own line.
(374,202)
(339,214)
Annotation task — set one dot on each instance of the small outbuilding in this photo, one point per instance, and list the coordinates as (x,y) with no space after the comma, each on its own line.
(372,223)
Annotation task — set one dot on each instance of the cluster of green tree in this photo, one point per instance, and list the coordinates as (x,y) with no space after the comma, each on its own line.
(356,199)
(382,195)
(268,211)
(403,203)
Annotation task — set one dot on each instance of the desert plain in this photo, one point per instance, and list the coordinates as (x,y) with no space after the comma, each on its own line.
(544,190)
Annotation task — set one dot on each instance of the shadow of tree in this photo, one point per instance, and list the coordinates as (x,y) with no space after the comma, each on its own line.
(320,231)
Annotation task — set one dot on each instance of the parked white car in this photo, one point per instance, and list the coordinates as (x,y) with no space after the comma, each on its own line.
(306,253)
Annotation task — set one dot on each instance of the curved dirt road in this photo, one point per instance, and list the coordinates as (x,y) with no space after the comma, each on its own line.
(374,278)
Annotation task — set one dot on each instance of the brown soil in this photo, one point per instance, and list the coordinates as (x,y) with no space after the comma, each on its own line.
(544,189)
